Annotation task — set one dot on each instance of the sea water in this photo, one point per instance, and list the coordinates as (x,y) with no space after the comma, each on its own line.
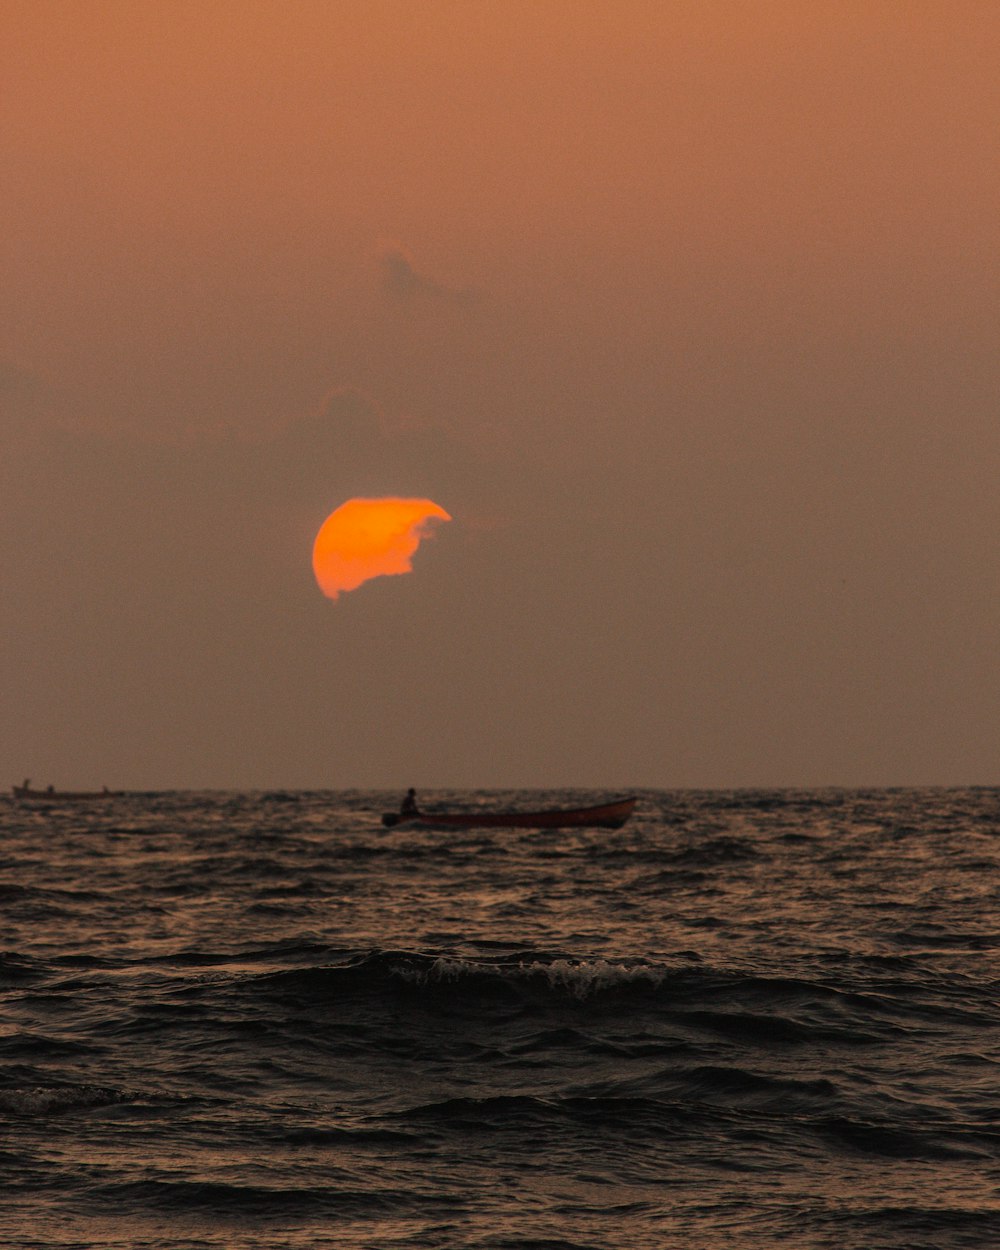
(743,1020)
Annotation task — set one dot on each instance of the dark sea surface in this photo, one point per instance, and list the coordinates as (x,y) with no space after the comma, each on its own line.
(746,1019)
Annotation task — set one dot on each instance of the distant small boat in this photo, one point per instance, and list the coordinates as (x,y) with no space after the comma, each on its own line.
(52,795)
(611,815)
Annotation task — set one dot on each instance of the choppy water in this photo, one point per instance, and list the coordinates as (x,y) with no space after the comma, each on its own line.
(259,1020)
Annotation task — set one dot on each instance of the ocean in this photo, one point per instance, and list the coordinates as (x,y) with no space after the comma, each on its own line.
(747,1019)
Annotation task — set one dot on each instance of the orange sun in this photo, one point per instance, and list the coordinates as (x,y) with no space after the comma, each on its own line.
(368,538)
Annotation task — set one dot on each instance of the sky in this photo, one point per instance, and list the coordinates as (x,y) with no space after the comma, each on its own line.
(684,313)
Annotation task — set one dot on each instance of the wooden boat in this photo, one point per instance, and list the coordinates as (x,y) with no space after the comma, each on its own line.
(610,815)
(51,795)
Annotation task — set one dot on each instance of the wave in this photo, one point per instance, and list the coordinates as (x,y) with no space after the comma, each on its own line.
(758,1115)
(45,1100)
(746,1008)
(18,969)
(934,1143)
(216,1200)
(900,1225)
(543,977)
(514,1242)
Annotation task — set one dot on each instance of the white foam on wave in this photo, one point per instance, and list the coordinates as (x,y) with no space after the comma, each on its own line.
(591,976)
(579,978)
(49,1099)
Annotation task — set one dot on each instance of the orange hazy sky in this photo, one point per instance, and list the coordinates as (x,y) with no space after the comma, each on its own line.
(687,312)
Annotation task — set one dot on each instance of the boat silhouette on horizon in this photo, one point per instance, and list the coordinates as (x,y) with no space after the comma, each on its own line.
(611,814)
(51,795)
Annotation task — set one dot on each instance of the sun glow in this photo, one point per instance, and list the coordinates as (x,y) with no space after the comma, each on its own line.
(366,538)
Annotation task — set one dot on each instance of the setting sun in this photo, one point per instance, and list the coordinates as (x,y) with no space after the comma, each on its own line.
(366,538)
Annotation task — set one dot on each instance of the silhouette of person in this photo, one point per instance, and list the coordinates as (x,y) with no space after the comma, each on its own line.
(409,804)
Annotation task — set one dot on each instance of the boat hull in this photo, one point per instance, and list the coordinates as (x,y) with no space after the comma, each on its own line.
(598,816)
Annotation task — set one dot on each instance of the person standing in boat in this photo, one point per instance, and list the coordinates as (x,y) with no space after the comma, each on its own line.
(408,807)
